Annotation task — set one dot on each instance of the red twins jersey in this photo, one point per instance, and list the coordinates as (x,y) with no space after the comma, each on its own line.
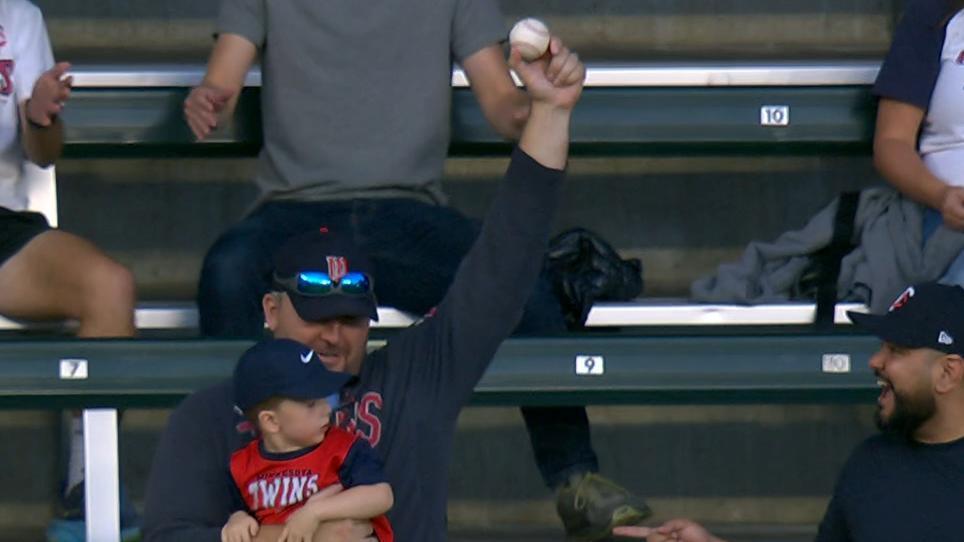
(273,488)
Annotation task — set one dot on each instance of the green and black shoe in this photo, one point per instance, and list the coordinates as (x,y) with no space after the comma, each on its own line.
(590,506)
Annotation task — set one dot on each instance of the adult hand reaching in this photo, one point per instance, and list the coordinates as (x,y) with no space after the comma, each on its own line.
(682,530)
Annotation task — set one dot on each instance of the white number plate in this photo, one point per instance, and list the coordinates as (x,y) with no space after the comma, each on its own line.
(775,115)
(590,365)
(836,363)
(73,369)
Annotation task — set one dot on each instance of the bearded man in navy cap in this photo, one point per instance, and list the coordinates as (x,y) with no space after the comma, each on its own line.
(906,484)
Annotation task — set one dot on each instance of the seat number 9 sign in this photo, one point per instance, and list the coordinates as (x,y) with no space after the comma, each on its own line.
(590,365)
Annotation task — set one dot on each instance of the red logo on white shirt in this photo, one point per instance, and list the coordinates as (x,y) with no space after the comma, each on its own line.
(6,77)
(960,58)
(3,36)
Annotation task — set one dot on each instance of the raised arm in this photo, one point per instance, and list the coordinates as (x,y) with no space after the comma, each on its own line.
(490,289)
(554,87)
(214,100)
(897,159)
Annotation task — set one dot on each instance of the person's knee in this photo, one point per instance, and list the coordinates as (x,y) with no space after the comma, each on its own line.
(954,275)
(235,274)
(108,287)
(231,262)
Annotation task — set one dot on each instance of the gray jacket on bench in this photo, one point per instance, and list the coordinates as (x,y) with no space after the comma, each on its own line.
(889,256)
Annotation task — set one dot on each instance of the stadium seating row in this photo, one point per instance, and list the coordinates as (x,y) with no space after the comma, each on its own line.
(653,351)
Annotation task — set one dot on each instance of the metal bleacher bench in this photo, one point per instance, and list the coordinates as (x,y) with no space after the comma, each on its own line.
(641,352)
(788,107)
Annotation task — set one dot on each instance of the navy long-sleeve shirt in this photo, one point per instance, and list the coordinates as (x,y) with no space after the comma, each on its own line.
(409,393)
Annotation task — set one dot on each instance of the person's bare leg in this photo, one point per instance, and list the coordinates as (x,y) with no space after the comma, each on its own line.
(59,275)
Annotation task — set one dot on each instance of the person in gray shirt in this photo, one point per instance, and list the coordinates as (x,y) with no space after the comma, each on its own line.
(356,99)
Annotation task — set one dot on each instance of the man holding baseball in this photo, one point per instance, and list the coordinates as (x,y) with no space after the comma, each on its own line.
(355,111)
(408,394)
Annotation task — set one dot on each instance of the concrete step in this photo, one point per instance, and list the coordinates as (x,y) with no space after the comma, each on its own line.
(665,210)
(181,29)
(734,533)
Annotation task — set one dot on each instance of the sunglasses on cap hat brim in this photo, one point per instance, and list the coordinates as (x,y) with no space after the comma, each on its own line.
(320,284)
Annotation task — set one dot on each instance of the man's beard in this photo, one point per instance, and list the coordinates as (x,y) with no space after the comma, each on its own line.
(910,413)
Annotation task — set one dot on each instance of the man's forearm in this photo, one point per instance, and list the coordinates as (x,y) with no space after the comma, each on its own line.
(228,65)
(903,168)
(546,135)
(512,119)
(268,533)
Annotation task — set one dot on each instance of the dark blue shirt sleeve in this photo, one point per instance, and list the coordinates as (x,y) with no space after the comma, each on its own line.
(237,500)
(910,69)
(361,467)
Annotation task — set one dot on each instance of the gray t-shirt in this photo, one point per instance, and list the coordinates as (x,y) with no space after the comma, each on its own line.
(356,96)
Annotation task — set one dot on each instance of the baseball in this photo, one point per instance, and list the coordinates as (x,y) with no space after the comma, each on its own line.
(531,37)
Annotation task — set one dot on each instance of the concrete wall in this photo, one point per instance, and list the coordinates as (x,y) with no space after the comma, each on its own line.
(181,29)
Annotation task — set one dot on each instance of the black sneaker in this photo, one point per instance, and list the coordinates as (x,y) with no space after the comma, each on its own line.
(591,505)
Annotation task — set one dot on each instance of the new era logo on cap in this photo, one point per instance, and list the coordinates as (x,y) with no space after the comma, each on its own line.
(944,338)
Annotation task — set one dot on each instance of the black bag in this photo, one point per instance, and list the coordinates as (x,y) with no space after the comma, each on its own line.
(584,268)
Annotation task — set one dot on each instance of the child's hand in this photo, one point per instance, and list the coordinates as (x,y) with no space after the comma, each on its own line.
(300,527)
(241,527)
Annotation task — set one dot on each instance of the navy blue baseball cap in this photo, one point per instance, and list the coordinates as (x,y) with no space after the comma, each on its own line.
(324,252)
(283,368)
(927,315)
